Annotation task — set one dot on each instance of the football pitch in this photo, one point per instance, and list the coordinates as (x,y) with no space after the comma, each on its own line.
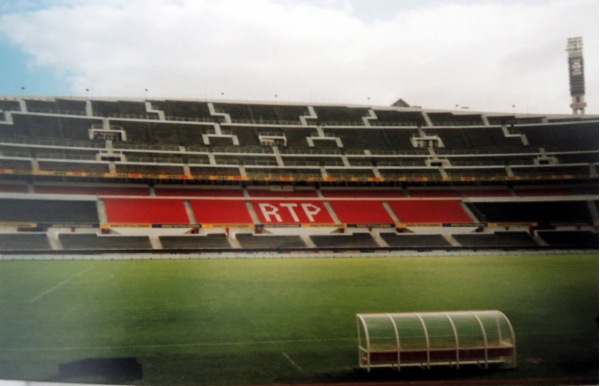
(282,321)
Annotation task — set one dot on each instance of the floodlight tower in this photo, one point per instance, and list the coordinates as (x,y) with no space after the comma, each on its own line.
(576,75)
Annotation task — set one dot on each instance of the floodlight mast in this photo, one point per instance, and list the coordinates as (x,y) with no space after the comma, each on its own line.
(576,75)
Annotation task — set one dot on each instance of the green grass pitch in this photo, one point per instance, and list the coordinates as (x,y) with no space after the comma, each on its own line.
(246,321)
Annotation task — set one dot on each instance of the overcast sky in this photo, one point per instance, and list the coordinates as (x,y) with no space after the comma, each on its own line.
(496,55)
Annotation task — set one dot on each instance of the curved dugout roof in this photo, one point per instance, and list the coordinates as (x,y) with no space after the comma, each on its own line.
(428,339)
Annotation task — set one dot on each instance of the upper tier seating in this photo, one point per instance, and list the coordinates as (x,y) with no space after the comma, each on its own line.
(491,139)
(86,241)
(162,133)
(481,172)
(562,136)
(10,105)
(398,139)
(118,108)
(494,157)
(184,110)
(73,166)
(337,115)
(35,127)
(578,157)
(297,137)
(312,160)
(399,118)
(296,172)
(359,139)
(48,211)
(149,169)
(555,190)
(24,242)
(13,187)
(164,140)
(348,173)
(410,172)
(511,119)
(225,171)
(17,165)
(552,170)
(55,106)
(450,119)
(268,114)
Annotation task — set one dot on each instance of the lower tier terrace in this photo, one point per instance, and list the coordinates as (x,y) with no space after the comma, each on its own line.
(155,240)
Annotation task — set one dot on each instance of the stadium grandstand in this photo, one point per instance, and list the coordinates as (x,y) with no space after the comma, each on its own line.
(221,242)
(181,176)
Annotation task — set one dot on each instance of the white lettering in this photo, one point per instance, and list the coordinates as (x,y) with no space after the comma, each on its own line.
(290,208)
(271,213)
(269,210)
(310,210)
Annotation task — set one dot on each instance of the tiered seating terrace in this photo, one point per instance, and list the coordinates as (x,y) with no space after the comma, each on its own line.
(210,241)
(356,240)
(573,136)
(118,108)
(408,240)
(570,238)
(399,118)
(70,212)
(44,141)
(541,212)
(340,116)
(496,240)
(269,242)
(24,242)
(86,241)
(184,110)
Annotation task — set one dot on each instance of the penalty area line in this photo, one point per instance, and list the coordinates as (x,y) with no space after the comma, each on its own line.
(66,281)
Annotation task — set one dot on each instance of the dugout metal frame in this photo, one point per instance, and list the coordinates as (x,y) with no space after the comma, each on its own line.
(426,339)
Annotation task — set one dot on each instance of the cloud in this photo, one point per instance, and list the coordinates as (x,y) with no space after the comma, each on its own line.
(486,55)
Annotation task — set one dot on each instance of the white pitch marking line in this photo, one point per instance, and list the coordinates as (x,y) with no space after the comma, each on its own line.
(170,345)
(67,280)
(292,362)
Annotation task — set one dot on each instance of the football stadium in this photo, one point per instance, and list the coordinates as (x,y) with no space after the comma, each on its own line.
(162,241)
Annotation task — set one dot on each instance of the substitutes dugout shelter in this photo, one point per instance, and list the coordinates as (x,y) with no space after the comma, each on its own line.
(425,339)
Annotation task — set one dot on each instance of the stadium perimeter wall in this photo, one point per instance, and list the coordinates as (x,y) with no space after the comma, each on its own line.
(291,255)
